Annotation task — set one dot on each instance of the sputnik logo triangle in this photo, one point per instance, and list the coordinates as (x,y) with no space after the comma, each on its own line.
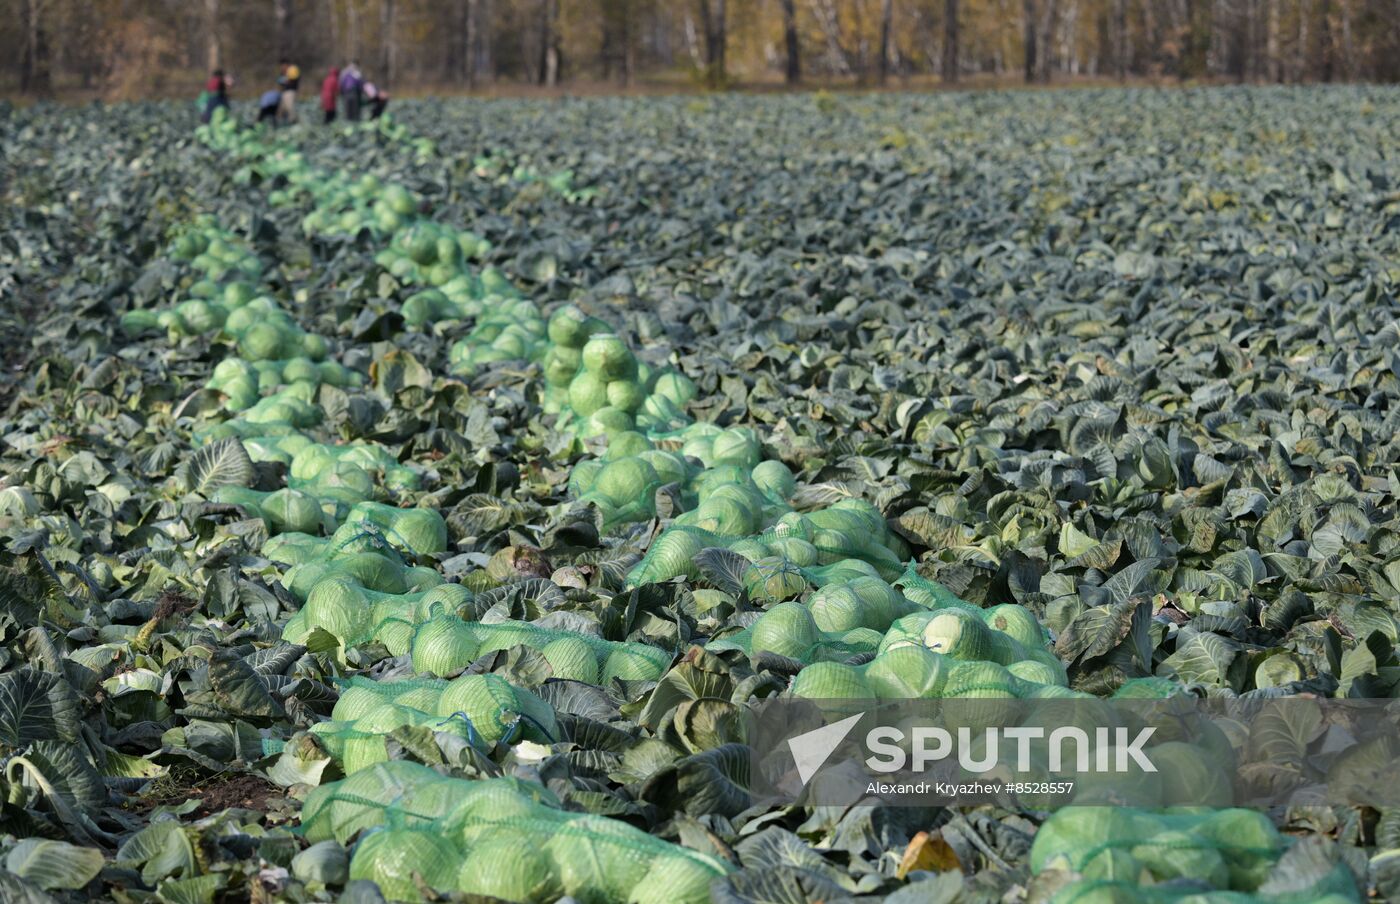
(811,750)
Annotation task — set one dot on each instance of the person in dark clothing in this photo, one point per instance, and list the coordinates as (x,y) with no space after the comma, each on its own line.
(268,106)
(330,87)
(351,84)
(216,93)
(377,100)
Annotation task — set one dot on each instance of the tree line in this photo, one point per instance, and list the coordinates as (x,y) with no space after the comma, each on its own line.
(135,47)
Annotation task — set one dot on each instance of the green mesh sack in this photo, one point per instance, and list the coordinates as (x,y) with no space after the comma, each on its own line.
(624,489)
(800,538)
(732,510)
(353,466)
(789,630)
(293,548)
(512,330)
(985,635)
(570,327)
(723,499)
(773,579)
(343,483)
(479,709)
(672,554)
(339,810)
(242,429)
(281,449)
(564,651)
(713,446)
(416,531)
(915,672)
(497,710)
(494,709)
(371,570)
(338,606)
(499,837)
(591,858)
(1120,851)
(346,610)
(839,572)
(360,695)
(364,742)
(360,537)
(862,602)
(929,594)
(445,644)
(837,545)
(400,859)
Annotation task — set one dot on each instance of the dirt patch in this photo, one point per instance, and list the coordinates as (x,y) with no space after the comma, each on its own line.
(246,791)
(172,603)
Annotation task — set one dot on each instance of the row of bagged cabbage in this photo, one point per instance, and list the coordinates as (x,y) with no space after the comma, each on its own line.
(417,250)
(593,379)
(361,574)
(499,837)
(278,367)
(341,603)
(951,651)
(588,857)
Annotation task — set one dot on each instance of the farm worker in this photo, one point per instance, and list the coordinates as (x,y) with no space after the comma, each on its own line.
(268,105)
(378,100)
(351,83)
(330,87)
(288,82)
(216,93)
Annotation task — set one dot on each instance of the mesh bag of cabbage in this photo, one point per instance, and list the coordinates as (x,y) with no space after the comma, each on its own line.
(929,594)
(848,531)
(467,836)
(445,643)
(1234,851)
(789,630)
(496,837)
(481,708)
(916,672)
(366,741)
(420,795)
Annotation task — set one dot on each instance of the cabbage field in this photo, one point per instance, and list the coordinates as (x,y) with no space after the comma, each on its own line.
(412,510)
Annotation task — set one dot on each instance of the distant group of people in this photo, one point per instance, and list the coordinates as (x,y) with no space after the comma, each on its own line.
(279,105)
(350,85)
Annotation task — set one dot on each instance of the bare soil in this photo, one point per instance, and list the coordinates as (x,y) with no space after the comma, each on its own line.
(247,791)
